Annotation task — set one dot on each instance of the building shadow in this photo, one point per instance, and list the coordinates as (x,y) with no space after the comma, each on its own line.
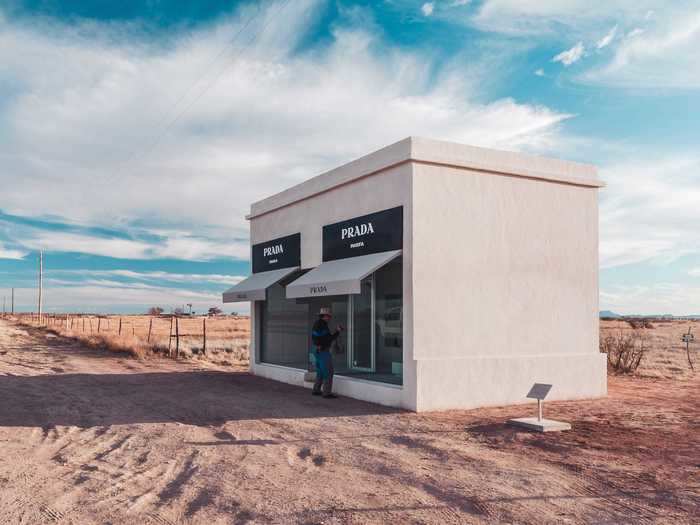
(191,397)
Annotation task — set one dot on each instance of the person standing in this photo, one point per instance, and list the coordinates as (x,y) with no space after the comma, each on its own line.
(322,339)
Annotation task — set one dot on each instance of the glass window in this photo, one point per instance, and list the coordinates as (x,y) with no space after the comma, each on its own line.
(284,338)
(362,328)
(372,346)
(388,332)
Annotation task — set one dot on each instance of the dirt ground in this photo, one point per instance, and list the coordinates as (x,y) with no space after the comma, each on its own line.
(93,437)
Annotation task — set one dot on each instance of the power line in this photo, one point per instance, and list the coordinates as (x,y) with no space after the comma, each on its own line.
(152,146)
(200,76)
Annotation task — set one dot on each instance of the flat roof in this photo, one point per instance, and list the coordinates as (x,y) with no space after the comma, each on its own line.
(436,152)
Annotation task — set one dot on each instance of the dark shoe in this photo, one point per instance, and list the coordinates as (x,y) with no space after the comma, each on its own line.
(315,393)
(330,396)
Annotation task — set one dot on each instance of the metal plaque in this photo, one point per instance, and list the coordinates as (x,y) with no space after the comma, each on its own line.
(539,391)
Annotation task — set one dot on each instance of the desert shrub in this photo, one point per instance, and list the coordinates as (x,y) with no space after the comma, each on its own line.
(636,324)
(625,351)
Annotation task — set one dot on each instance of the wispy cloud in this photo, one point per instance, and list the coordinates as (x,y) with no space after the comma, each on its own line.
(662,55)
(91,96)
(105,296)
(427,8)
(581,18)
(157,276)
(570,56)
(658,298)
(607,39)
(7,253)
(649,210)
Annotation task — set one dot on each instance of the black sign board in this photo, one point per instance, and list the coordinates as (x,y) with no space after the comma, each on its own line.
(284,252)
(373,233)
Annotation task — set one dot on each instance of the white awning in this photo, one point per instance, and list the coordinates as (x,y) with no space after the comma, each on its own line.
(253,288)
(339,277)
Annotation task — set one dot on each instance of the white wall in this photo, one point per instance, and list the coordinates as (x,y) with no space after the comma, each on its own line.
(380,191)
(505,284)
(500,274)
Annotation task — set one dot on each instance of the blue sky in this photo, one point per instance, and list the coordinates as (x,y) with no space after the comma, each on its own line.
(135,134)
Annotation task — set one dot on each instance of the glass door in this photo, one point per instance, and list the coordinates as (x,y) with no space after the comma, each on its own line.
(340,309)
(362,329)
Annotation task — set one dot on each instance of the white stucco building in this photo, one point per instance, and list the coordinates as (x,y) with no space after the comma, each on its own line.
(463,275)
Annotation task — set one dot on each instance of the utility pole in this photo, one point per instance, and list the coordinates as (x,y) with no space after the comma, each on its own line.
(12,310)
(41,278)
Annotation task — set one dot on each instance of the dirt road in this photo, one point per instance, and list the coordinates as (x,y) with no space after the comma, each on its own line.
(91,437)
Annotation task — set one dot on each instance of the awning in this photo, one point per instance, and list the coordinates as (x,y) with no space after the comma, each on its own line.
(339,277)
(253,288)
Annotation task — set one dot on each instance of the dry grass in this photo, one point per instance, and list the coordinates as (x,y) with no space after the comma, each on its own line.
(228,339)
(665,356)
(227,336)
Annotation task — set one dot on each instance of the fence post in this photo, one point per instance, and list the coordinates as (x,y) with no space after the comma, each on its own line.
(120,326)
(83,324)
(99,322)
(150,327)
(204,326)
(177,338)
(170,338)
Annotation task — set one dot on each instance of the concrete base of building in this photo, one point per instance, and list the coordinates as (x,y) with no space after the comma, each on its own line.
(465,383)
(540,425)
(362,389)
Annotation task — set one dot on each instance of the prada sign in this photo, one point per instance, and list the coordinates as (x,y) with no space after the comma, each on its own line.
(373,233)
(284,252)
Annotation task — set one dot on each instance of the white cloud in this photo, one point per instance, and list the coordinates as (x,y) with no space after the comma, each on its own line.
(649,210)
(607,39)
(89,96)
(427,8)
(539,72)
(581,18)
(695,272)
(155,276)
(662,55)
(101,297)
(177,245)
(7,253)
(659,298)
(570,56)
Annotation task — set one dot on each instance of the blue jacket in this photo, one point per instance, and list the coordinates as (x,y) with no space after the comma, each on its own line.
(322,336)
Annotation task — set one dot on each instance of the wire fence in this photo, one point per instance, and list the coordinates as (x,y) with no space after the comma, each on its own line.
(174,334)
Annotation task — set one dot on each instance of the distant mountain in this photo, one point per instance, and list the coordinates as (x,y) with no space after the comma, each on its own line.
(609,315)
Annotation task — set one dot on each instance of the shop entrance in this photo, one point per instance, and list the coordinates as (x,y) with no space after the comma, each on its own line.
(354,349)
(370,347)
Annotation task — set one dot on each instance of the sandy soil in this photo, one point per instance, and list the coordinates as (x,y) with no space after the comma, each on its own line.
(92,437)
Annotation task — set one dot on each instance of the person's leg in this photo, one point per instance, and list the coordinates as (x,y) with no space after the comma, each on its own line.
(319,375)
(328,380)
